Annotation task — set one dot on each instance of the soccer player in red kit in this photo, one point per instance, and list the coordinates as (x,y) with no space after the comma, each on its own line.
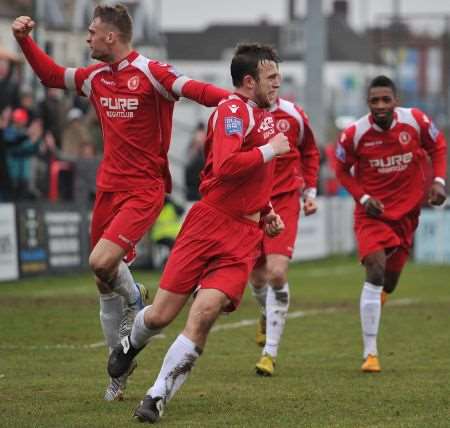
(295,175)
(221,237)
(387,150)
(134,99)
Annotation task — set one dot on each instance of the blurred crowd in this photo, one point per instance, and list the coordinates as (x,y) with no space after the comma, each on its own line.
(49,148)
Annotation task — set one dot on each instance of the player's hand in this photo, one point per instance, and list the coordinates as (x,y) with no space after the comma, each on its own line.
(437,194)
(273,225)
(374,207)
(280,144)
(22,26)
(309,206)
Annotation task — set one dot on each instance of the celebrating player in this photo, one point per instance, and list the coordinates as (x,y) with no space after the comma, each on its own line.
(221,236)
(294,171)
(134,99)
(388,151)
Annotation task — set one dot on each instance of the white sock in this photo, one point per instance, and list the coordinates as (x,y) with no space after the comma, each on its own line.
(260,294)
(276,312)
(370,308)
(177,364)
(124,285)
(110,317)
(140,333)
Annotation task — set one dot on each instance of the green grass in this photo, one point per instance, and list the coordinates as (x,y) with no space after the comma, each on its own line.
(50,378)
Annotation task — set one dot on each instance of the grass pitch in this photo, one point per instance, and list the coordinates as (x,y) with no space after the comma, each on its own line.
(52,366)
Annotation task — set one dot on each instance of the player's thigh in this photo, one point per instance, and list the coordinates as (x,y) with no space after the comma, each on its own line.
(288,207)
(135,213)
(165,307)
(374,235)
(106,256)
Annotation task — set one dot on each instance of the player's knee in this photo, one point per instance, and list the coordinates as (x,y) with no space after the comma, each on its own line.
(155,320)
(278,277)
(202,320)
(375,271)
(390,282)
(102,266)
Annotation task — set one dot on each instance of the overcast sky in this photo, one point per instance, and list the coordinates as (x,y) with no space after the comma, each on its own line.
(197,14)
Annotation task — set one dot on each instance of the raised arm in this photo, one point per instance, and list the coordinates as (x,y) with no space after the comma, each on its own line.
(50,73)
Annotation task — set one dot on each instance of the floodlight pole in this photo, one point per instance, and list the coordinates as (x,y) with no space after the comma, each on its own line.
(315,57)
(35,17)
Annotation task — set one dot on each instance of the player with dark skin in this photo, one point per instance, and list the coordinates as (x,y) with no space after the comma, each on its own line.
(382,102)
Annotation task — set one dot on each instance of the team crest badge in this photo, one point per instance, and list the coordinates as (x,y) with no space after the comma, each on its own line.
(133,83)
(283,125)
(404,137)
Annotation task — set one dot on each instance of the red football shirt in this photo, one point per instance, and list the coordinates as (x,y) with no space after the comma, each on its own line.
(134,100)
(235,178)
(389,165)
(299,168)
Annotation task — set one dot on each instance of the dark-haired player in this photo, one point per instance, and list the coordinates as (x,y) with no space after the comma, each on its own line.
(387,150)
(221,237)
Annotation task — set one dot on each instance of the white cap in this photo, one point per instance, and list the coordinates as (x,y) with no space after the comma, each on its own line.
(74,113)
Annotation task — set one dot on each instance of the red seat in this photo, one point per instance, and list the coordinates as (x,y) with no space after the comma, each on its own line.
(56,167)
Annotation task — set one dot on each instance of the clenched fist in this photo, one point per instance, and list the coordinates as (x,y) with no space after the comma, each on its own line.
(22,26)
(280,144)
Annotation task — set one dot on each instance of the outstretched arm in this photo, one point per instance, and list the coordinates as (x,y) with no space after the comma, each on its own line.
(50,73)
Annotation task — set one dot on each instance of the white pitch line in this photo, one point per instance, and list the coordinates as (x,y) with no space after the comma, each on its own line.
(219,327)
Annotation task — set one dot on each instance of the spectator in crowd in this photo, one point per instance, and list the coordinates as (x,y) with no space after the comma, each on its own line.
(5,184)
(52,110)
(40,165)
(9,88)
(22,144)
(75,136)
(195,163)
(26,102)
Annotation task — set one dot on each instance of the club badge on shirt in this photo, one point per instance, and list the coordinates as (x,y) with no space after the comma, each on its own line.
(233,125)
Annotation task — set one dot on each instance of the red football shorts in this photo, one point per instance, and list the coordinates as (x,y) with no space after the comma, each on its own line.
(213,250)
(394,236)
(124,217)
(287,205)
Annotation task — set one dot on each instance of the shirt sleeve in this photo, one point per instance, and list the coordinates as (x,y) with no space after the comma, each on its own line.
(434,143)
(345,159)
(51,74)
(310,157)
(229,161)
(172,85)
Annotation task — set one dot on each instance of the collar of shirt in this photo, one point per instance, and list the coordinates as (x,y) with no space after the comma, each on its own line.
(125,62)
(378,128)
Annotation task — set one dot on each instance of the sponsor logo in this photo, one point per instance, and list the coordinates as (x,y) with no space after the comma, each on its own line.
(233,125)
(340,152)
(283,125)
(433,131)
(394,163)
(373,143)
(119,107)
(107,82)
(133,83)
(267,127)
(404,137)
(234,108)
